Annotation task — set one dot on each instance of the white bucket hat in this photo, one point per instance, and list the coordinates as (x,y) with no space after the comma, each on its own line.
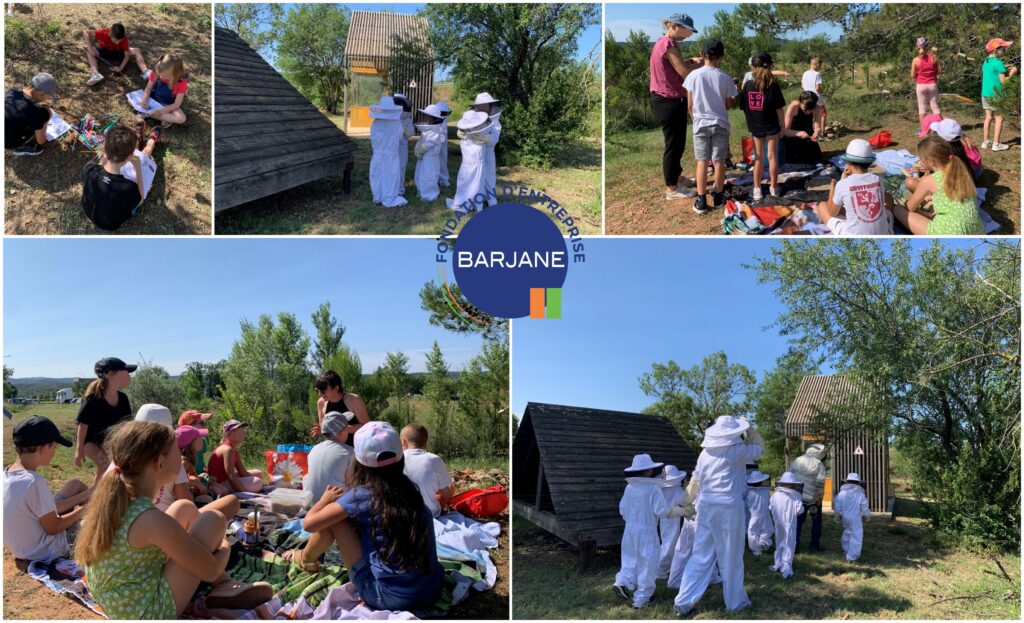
(789,481)
(853,477)
(377,444)
(474,121)
(672,474)
(860,151)
(386,109)
(756,477)
(155,413)
(484,98)
(444,108)
(948,129)
(642,463)
(726,431)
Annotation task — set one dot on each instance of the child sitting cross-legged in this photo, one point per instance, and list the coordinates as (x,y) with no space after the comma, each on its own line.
(108,197)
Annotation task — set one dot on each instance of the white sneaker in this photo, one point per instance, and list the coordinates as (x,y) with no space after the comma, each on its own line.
(685,182)
(1000,146)
(986,144)
(773,191)
(680,194)
(94,77)
(757,194)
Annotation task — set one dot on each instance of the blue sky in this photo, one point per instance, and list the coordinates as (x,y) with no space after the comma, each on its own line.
(587,41)
(621,18)
(641,301)
(69,302)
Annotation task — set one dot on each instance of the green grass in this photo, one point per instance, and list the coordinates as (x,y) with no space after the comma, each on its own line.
(322,208)
(63,467)
(903,570)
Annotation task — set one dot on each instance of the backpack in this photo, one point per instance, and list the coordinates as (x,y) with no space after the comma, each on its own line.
(480,502)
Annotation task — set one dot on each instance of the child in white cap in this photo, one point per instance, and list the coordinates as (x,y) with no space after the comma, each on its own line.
(857,204)
(387,175)
(670,525)
(850,505)
(471,186)
(786,505)
(642,505)
(759,525)
(446,112)
(485,103)
(433,139)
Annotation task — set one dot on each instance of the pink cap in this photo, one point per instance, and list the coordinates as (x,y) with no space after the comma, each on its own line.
(377,444)
(187,434)
(997,43)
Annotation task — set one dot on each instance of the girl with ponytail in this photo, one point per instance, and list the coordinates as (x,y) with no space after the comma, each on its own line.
(104,405)
(949,186)
(143,563)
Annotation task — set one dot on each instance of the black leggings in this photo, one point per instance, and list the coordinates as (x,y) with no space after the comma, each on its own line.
(671,114)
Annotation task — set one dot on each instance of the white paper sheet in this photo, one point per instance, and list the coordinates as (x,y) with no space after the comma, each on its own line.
(135,99)
(56,127)
(148,171)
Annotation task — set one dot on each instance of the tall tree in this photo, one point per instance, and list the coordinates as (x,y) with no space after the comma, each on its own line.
(484,398)
(439,391)
(461,316)
(254,23)
(395,373)
(328,335)
(10,391)
(311,51)
(692,398)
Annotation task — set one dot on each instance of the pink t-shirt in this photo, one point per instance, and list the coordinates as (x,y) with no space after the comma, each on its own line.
(927,69)
(664,79)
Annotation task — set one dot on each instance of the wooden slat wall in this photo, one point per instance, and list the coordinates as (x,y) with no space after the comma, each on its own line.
(369,45)
(269,137)
(872,466)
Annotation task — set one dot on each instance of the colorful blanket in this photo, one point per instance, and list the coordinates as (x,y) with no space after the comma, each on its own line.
(64,577)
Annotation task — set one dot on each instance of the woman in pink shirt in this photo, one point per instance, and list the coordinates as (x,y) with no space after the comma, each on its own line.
(668,101)
(925,71)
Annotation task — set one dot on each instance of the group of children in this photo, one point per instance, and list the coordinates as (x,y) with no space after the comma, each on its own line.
(694,536)
(479,130)
(109,198)
(145,543)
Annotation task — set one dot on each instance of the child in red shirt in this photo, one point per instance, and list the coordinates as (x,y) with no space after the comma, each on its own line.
(111,45)
(167,86)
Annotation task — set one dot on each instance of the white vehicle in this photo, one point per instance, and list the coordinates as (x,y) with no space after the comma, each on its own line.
(65,396)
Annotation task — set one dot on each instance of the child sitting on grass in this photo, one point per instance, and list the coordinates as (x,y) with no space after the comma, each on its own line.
(190,442)
(425,469)
(962,147)
(225,465)
(111,45)
(383,530)
(194,418)
(859,196)
(145,564)
(950,187)
(167,86)
(26,115)
(35,519)
(108,197)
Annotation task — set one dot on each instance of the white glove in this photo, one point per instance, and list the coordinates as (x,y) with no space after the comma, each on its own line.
(421,148)
(460,134)
(753,438)
(676,511)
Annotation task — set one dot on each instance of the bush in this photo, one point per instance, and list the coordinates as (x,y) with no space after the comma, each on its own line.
(153,385)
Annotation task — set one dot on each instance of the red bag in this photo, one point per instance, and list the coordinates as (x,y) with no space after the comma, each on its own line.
(882,139)
(480,502)
(748,149)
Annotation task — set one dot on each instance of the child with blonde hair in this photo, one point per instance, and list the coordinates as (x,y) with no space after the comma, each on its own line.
(167,85)
(949,185)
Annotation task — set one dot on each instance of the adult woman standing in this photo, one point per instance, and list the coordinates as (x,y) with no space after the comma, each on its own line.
(803,126)
(668,100)
(925,72)
(104,405)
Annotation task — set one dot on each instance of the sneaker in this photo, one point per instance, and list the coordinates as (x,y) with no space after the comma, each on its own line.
(701,205)
(718,200)
(774,192)
(685,193)
(757,194)
(683,614)
(146,74)
(621,591)
(233,595)
(685,182)
(140,132)
(94,77)
(156,134)
(639,606)
(1000,146)
(986,144)
(29,149)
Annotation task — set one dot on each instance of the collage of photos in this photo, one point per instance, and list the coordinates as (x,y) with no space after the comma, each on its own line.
(512,311)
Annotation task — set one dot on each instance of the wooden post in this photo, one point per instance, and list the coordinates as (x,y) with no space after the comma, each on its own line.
(344,101)
(587,550)
(346,182)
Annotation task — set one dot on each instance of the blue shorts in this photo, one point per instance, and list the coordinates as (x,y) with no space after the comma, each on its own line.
(114,57)
(367,585)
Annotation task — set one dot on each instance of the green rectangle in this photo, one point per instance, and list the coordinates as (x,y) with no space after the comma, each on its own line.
(554,303)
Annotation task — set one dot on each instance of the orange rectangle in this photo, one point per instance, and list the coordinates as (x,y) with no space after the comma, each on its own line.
(536,302)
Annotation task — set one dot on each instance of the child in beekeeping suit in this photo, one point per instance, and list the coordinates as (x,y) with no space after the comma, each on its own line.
(470,188)
(408,131)
(486,104)
(669,526)
(446,111)
(385,140)
(786,505)
(850,505)
(433,138)
(759,526)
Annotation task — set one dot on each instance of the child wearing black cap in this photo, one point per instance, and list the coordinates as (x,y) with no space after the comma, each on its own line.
(104,405)
(763,104)
(35,519)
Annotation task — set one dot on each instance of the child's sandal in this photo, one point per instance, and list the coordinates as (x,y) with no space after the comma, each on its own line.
(156,134)
(294,556)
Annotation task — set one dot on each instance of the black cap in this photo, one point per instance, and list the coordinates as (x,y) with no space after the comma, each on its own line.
(38,431)
(762,59)
(714,47)
(112,364)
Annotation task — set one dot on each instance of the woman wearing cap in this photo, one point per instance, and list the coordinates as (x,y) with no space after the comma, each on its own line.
(801,131)
(786,505)
(471,192)
(720,478)
(226,467)
(668,69)
(103,406)
(925,73)
(433,139)
(382,527)
(386,137)
(850,505)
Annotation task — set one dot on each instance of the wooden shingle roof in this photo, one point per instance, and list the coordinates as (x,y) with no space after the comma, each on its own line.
(269,137)
(816,393)
(371,33)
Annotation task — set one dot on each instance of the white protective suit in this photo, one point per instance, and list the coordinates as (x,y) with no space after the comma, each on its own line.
(641,506)
(491,169)
(810,470)
(408,131)
(385,176)
(433,138)
(760,526)
(852,504)
(669,527)
(785,506)
(471,180)
(443,159)
(721,477)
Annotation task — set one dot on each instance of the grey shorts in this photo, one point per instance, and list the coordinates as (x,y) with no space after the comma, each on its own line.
(711,142)
(985,104)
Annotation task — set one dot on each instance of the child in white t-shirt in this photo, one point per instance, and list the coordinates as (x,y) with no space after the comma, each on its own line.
(857,204)
(425,469)
(811,81)
(35,519)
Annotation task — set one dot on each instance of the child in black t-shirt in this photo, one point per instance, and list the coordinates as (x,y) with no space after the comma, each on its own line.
(763,104)
(108,198)
(26,115)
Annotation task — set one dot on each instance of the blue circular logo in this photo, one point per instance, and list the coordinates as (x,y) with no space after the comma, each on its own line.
(507,253)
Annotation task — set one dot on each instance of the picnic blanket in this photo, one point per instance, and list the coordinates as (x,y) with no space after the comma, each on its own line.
(64,577)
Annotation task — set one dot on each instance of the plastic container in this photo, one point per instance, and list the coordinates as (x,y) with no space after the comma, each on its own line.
(290,501)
